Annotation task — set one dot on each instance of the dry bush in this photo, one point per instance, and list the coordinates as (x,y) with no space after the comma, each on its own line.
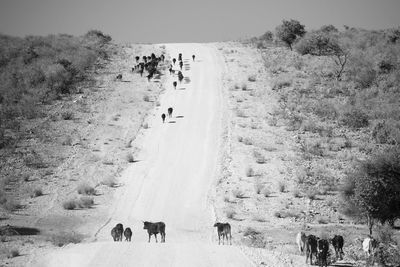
(287,214)
(230,214)
(260,158)
(130,158)
(244,87)
(354,118)
(146,98)
(240,139)
(266,192)
(259,218)
(238,193)
(37,192)
(250,172)
(323,220)
(248,141)
(241,114)
(311,193)
(13,253)
(65,238)
(70,204)
(282,82)
(67,141)
(296,193)
(145,125)
(252,78)
(282,187)
(258,187)
(85,189)
(272,121)
(85,202)
(110,182)
(67,115)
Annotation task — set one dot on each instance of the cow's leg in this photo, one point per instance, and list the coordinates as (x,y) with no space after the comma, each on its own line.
(219,239)
(230,239)
(149,237)
(155,235)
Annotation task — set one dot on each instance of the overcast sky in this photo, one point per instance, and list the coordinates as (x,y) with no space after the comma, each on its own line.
(159,21)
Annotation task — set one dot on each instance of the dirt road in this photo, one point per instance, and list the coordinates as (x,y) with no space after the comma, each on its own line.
(170,181)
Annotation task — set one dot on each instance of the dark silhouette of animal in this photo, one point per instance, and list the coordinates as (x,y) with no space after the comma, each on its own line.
(322,252)
(171,70)
(137,58)
(300,241)
(224,230)
(162,57)
(311,247)
(180,64)
(128,234)
(337,243)
(120,231)
(163,117)
(175,84)
(119,77)
(180,76)
(149,76)
(133,69)
(145,59)
(170,110)
(155,228)
(180,57)
(174,60)
(115,234)
(369,245)
(193,56)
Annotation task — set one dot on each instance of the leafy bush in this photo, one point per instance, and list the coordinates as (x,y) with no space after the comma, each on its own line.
(289,31)
(70,205)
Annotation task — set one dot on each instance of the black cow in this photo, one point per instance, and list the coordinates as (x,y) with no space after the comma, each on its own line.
(128,234)
(193,56)
(323,249)
(170,110)
(180,64)
(180,57)
(163,117)
(145,59)
(224,230)
(337,242)
(162,57)
(175,84)
(155,228)
(137,58)
(180,76)
(120,231)
(174,60)
(311,247)
(114,234)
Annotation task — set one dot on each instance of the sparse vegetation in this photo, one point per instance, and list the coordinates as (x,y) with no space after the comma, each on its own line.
(13,253)
(85,189)
(37,192)
(65,238)
(110,182)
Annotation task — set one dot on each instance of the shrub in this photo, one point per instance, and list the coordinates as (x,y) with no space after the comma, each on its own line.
(322,220)
(289,31)
(252,78)
(250,231)
(70,205)
(244,87)
(258,187)
(259,218)
(13,253)
(281,82)
(311,194)
(37,192)
(266,192)
(146,98)
(85,189)
(260,159)
(384,132)
(296,193)
(238,193)
(85,202)
(130,158)
(109,182)
(249,172)
(282,187)
(67,115)
(230,214)
(145,125)
(65,238)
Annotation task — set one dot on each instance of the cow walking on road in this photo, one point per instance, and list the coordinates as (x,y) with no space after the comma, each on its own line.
(128,234)
(301,241)
(224,230)
(311,247)
(337,243)
(170,110)
(154,229)
(163,117)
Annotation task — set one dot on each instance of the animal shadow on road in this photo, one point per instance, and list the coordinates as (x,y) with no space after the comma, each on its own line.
(172,122)
(182,88)
(179,117)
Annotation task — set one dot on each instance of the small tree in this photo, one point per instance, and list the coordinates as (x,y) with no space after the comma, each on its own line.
(289,31)
(373,189)
(268,36)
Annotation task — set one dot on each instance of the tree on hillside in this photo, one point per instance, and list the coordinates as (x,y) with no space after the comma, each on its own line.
(268,36)
(328,29)
(372,190)
(289,31)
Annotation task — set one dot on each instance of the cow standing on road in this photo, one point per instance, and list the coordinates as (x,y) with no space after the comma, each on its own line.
(337,243)
(323,249)
(170,110)
(174,60)
(224,230)
(300,241)
(311,247)
(163,117)
(180,64)
(128,234)
(154,229)
(175,84)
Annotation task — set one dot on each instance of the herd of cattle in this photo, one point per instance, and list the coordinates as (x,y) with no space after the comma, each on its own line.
(223,229)
(319,247)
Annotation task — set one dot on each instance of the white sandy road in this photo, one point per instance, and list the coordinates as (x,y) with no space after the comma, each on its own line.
(171,181)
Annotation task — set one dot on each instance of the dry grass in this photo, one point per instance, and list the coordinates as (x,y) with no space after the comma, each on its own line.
(84,202)
(266,192)
(13,253)
(252,78)
(65,238)
(85,189)
(130,158)
(250,172)
(37,192)
(146,98)
(282,187)
(110,182)
(230,214)
(238,193)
